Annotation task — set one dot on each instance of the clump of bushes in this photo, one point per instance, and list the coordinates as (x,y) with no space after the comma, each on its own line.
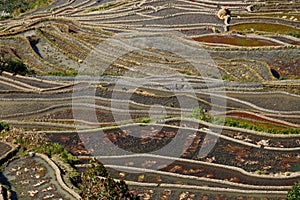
(294,34)
(144,120)
(52,149)
(294,194)
(96,183)
(4,126)
(199,113)
(4,17)
(15,66)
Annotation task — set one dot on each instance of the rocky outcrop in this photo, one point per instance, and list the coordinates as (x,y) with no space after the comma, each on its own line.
(224,14)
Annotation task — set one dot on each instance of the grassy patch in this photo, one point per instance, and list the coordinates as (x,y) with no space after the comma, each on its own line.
(263,27)
(64,73)
(144,120)
(262,127)
(227,77)
(104,7)
(199,113)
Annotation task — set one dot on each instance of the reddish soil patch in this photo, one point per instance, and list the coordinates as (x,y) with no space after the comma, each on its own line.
(256,118)
(235,40)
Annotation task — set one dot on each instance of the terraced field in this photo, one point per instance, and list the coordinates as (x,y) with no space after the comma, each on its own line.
(172,99)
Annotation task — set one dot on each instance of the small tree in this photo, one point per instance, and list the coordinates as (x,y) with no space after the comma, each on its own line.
(17,67)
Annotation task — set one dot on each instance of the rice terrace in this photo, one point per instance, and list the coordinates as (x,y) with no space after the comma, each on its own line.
(150,99)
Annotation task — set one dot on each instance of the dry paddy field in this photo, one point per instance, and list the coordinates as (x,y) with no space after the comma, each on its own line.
(172,99)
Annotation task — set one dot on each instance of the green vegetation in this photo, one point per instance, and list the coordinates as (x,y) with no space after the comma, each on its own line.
(67,36)
(294,34)
(96,183)
(57,149)
(15,66)
(294,194)
(103,7)
(263,27)
(185,72)
(252,126)
(144,120)
(4,126)
(199,113)
(227,77)
(40,143)
(16,7)
(64,73)
(4,17)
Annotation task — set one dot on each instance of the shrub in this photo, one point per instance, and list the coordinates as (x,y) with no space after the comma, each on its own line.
(96,183)
(15,66)
(145,120)
(4,126)
(199,113)
(227,77)
(52,149)
(4,17)
(294,194)
(294,34)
